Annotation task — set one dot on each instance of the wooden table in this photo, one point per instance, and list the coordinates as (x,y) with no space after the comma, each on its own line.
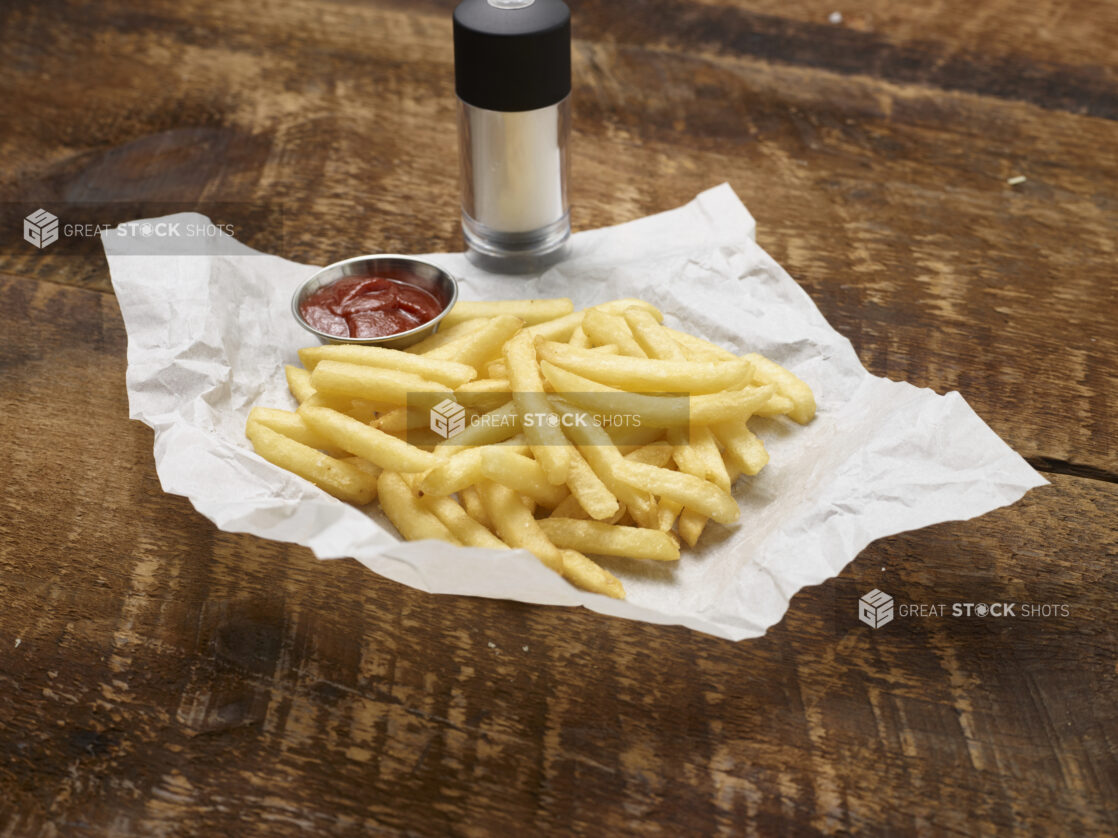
(161,677)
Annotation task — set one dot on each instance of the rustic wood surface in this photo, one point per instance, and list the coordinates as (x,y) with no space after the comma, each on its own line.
(161,677)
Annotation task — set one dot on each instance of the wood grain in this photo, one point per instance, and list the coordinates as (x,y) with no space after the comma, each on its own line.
(166,671)
(938,271)
(162,677)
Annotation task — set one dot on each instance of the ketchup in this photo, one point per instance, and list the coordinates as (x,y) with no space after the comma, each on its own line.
(368,307)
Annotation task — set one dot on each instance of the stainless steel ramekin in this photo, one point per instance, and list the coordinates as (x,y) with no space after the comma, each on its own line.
(431,278)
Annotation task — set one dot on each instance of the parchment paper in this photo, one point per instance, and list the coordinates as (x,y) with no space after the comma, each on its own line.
(209,331)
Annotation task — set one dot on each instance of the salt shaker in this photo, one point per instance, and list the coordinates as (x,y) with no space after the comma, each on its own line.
(512,66)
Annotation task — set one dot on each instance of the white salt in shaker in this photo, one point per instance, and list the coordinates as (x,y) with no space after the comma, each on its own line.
(512,64)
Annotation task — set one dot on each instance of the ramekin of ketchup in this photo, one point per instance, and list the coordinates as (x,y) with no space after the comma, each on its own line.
(386,300)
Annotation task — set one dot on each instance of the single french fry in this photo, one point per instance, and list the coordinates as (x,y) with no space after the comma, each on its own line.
(449,373)
(515,525)
(693,492)
(461,524)
(298,382)
(622,305)
(518,443)
(562,328)
(414,521)
(481,346)
(359,409)
(744,450)
(402,419)
(603,328)
(540,423)
(424,439)
(696,452)
(521,474)
(652,337)
(587,574)
(787,384)
(699,349)
(654,454)
(292,426)
(669,510)
(484,394)
(484,386)
(445,335)
(375,384)
(646,374)
(630,436)
(471,500)
(610,539)
(691,525)
(777,405)
(371,469)
(454,473)
(600,452)
(657,411)
(374,445)
(340,479)
(570,508)
(530,311)
(592,495)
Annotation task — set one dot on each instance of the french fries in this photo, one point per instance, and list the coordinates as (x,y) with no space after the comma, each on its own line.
(610,539)
(657,411)
(299,383)
(480,346)
(414,521)
(787,385)
(561,328)
(652,337)
(339,478)
(371,383)
(530,311)
(527,424)
(522,474)
(603,329)
(376,446)
(449,373)
(646,375)
(445,335)
(293,426)
(547,441)
(462,526)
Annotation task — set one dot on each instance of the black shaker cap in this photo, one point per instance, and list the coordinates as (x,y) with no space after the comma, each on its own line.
(512,57)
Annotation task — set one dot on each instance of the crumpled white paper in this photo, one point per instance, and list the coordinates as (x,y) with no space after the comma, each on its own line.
(210,332)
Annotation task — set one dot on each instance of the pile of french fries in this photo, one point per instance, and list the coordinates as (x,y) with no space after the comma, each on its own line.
(597,431)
